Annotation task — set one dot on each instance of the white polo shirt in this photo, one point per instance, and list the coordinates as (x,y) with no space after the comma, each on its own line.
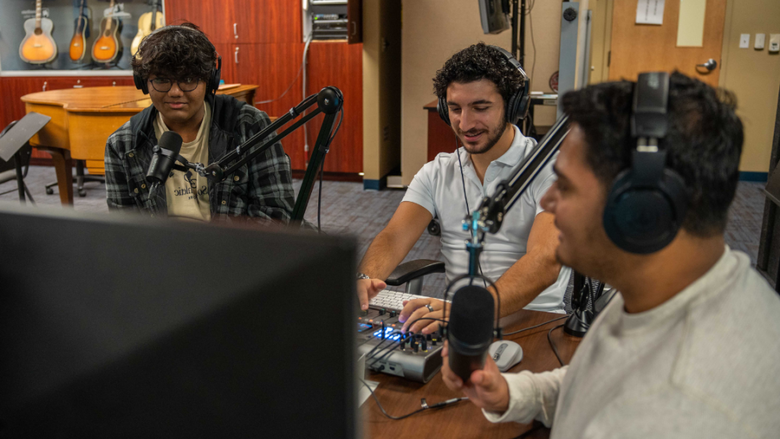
(438,188)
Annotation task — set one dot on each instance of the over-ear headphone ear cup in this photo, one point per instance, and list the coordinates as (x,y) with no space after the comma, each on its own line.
(140,84)
(444,112)
(642,219)
(513,109)
(215,76)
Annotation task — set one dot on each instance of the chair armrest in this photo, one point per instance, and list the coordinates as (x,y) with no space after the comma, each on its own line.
(414,269)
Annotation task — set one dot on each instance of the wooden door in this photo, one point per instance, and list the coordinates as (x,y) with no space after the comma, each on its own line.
(273,68)
(641,47)
(214,18)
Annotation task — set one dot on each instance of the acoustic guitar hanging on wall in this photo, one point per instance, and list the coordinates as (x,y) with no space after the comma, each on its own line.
(38,47)
(108,46)
(147,23)
(78,44)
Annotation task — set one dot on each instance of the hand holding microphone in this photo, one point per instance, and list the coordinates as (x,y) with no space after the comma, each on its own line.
(486,388)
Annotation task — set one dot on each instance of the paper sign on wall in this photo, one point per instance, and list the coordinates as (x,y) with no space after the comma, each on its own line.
(650,12)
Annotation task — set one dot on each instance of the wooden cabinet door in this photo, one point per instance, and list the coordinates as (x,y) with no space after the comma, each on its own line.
(226,52)
(340,65)
(214,18)
(273,68)
(267,21)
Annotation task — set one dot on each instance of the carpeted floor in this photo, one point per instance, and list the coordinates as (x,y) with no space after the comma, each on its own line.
(348,209)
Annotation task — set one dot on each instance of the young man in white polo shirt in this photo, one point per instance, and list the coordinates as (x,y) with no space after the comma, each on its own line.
(476,84)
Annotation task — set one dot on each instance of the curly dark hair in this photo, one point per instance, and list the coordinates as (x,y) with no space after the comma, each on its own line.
(476,62)
(176,52)
(703,143)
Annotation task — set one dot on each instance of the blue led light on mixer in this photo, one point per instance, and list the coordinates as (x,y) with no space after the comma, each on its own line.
(388,331)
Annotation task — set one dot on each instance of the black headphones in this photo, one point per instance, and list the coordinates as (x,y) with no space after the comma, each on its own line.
(516,108)
(647,202)
(213,82)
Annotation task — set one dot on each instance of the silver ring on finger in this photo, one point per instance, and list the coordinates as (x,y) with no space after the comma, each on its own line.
(430,308)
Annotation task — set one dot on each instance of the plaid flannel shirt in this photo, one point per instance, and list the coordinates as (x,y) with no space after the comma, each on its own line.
(261,190)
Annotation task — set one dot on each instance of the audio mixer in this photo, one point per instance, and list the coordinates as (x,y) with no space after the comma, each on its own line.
(415,357)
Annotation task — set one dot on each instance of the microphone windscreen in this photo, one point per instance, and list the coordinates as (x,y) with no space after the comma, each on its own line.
(171,141)
(471,315)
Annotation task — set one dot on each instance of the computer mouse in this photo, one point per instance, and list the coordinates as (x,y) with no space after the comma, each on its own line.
(506,354)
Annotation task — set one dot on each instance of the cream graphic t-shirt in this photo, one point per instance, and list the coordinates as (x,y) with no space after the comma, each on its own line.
(187,192)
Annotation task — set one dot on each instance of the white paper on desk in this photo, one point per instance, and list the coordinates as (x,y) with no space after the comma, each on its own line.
(650,12)
(364,393)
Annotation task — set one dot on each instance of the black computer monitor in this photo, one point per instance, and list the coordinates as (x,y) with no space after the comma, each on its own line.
(131,327)
(494,15)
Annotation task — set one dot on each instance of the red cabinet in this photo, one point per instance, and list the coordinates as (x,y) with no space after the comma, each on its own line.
(240,21)
(213,17)
(261,43)
(340,65)
(274,68)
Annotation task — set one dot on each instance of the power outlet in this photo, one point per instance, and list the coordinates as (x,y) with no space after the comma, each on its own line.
(744,41)
(759,43)
(774,43)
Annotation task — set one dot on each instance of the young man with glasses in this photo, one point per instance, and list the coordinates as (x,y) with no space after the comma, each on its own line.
(178,66)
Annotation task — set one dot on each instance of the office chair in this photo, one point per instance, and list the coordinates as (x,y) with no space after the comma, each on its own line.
(8,169)
(79,180)
(411,273)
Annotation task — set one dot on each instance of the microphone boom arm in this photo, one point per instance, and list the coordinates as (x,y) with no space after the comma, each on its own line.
(329,101)
(489,216)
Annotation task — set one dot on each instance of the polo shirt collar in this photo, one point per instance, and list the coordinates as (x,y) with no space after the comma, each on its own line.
(516,152)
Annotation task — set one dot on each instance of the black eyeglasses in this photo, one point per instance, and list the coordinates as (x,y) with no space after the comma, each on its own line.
(163,85)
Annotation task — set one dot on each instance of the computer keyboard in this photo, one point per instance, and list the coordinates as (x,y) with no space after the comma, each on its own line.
(392,300)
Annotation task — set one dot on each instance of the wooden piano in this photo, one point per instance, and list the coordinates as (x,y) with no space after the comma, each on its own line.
(83,118)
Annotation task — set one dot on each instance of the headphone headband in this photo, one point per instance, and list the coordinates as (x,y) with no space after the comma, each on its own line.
(213,82)
(517,105)
(647,202)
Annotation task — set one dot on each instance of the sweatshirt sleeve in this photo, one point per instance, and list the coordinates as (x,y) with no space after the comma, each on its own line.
(532,396)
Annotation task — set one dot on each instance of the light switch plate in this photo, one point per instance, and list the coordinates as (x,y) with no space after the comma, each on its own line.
(744,41)
(759,44)
(774,43)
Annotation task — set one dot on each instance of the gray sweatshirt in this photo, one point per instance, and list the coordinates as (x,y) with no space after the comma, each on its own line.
(704,364)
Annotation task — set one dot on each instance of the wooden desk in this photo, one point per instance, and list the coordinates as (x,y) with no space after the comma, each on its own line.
(83,118)
(464,419)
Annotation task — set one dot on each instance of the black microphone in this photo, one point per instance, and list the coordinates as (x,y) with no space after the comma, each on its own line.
(470,330)
(165,154)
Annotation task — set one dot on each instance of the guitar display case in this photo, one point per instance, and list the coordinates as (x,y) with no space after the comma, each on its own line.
(64,16)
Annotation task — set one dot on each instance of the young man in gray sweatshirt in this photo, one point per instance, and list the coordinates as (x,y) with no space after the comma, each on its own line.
(690,347)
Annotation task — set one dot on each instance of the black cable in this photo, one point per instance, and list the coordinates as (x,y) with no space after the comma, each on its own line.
(468,210)
(298,75)
(389,350)
(422,409)
(536,326)
(552,344)
(371,355)
(462,179)
(319,198)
